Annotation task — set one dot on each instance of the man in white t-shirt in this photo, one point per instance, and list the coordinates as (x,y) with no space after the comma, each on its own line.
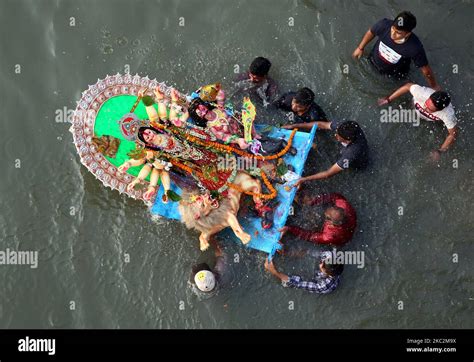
(430,105)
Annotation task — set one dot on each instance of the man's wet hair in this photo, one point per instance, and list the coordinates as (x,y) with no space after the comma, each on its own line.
(260,66)
(343,215)
(440,99)
(349,130)
(405,21)
(334,269)
(304,96)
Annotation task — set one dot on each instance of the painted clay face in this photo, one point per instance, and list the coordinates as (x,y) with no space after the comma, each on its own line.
(148,136)
(201,111)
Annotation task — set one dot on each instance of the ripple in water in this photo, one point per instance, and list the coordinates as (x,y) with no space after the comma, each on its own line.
(106,34)
(106,49)
(122,41)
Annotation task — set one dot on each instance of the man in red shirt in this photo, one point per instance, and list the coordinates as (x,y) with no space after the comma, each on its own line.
(340,224)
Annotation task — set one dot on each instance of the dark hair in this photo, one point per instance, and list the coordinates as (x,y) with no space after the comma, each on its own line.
(349,130)
(197,268)
(142,130)
(440,99)
(260,66)
(304,96)
(405,21)
(333,269)
(343,215)
(199,121)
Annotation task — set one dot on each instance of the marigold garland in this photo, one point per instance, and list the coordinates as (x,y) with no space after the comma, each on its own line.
(228,149)
(271,195)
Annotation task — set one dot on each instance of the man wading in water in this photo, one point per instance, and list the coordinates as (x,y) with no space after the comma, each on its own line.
(396,47)
(325,280)
(339,226)
(305,111)
(431,105)
(354,153)
(256,81)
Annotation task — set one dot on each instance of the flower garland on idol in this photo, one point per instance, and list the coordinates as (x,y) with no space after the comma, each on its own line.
(185,134)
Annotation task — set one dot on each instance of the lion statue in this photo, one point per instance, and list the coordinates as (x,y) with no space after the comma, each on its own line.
(203,213)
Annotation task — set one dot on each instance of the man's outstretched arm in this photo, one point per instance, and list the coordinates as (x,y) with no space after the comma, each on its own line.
(270,267)
(333,170)
(307,235)
(321,125)
(399,92)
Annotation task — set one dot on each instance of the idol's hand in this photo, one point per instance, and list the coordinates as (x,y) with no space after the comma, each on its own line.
(174,95)
(123,168)
(149,155)
(131,185)
(149,193)
(158,93)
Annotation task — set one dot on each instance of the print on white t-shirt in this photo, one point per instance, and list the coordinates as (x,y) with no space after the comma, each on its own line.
(420,95)
(388,54)
(425,113)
